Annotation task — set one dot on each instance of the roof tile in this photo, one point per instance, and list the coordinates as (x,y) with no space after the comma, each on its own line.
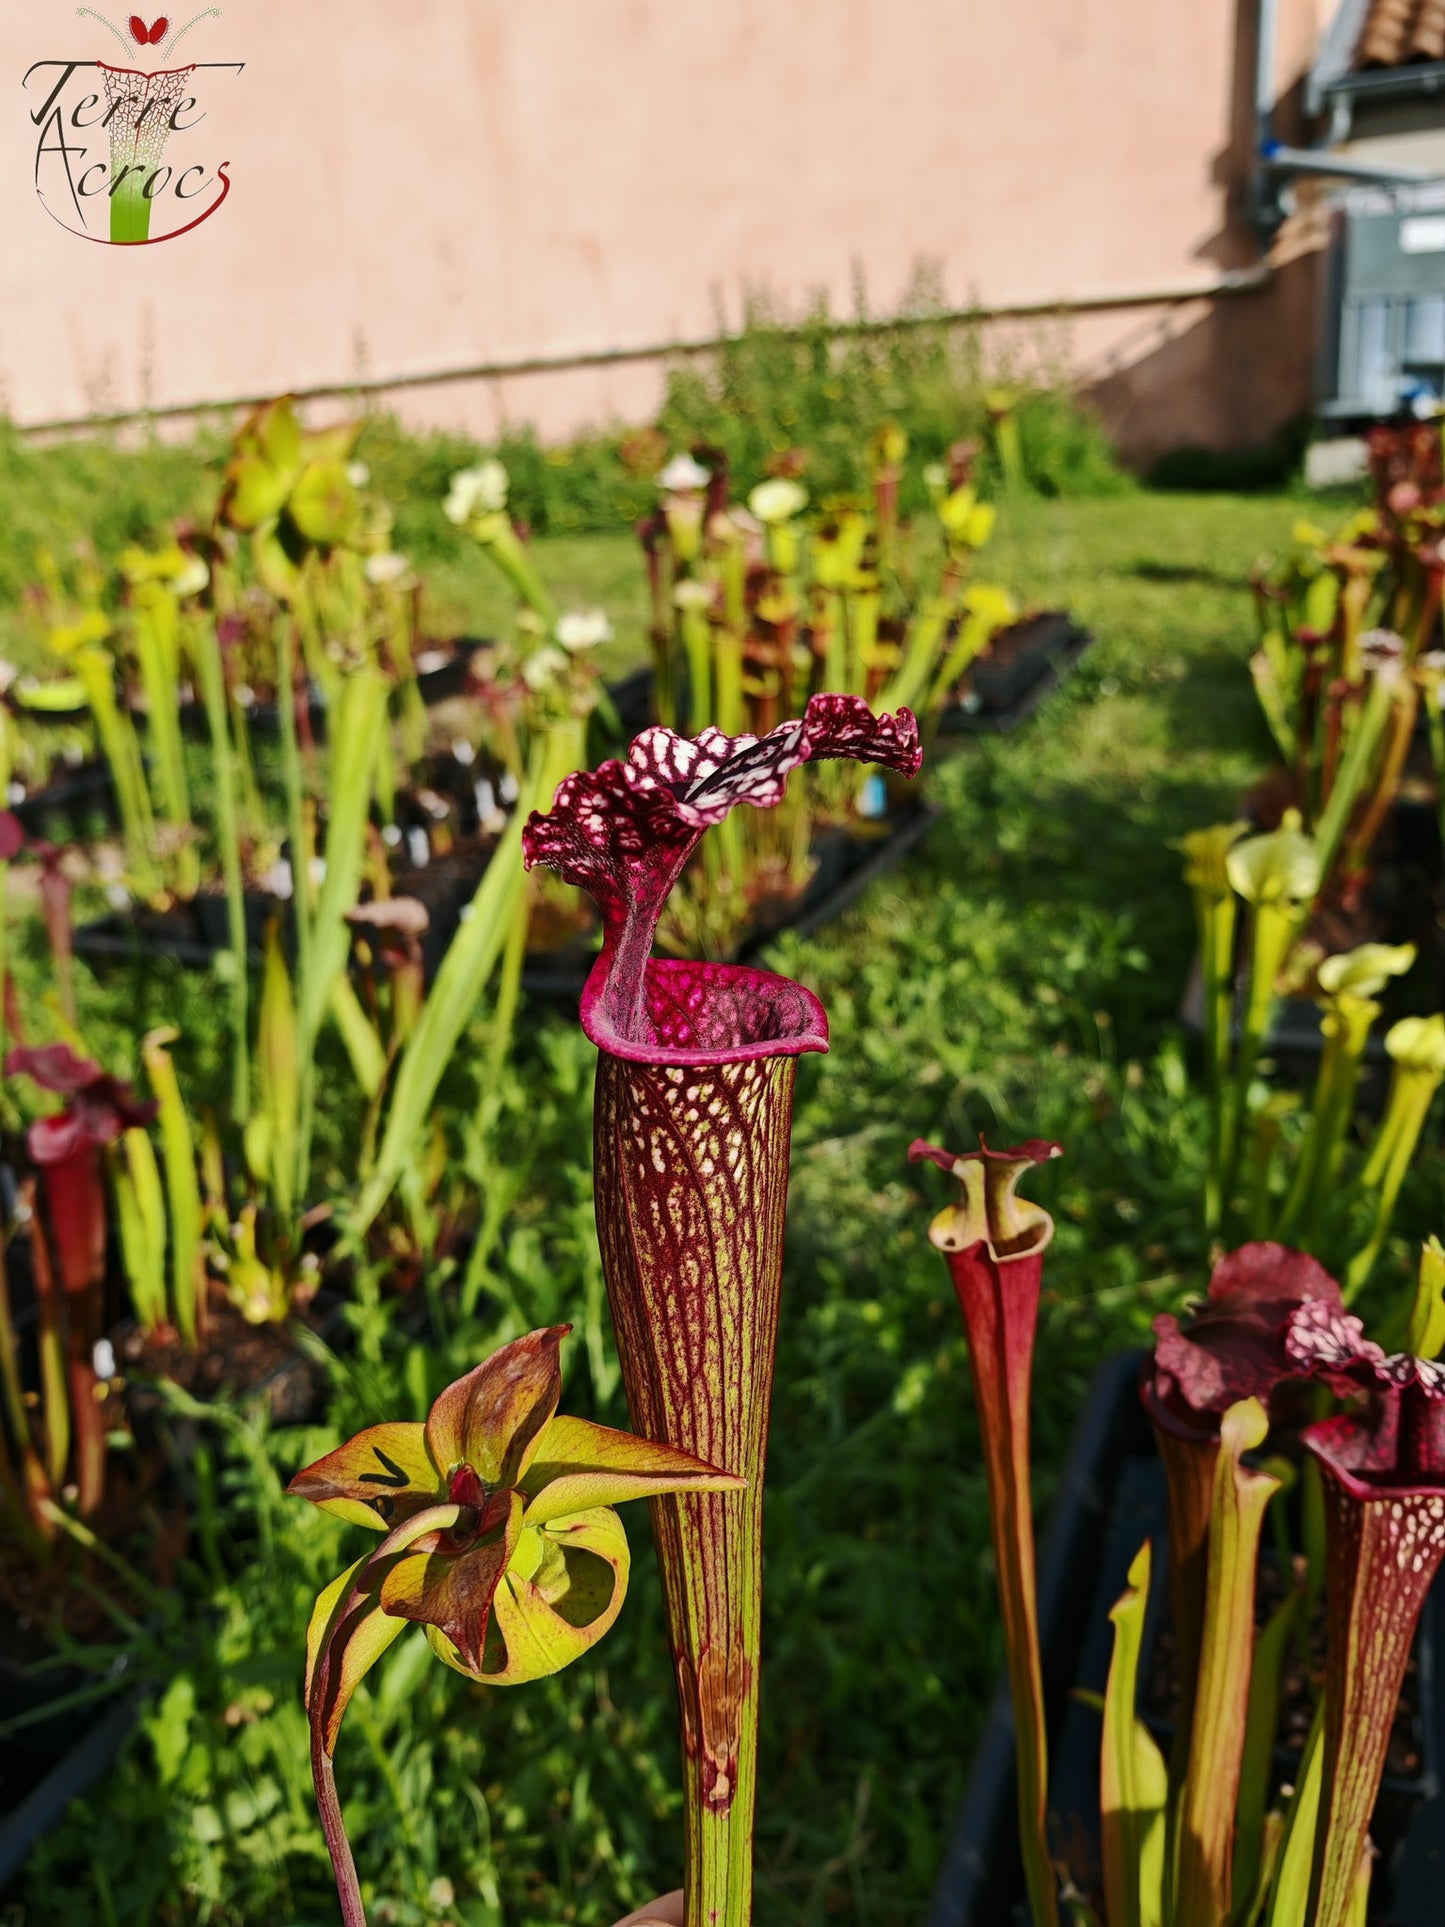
(1399,31)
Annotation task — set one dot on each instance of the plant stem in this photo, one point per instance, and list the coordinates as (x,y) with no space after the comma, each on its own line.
(1409,1105)
(157,619)
(295,793)
(696,1336)
(1209,1796)
(122,753)
(206,655)
(54,1397)
(1346,1030)
(1216,944)
(328,1807)
(1348,786)
(300,886)
(81,1533)
(1274,929)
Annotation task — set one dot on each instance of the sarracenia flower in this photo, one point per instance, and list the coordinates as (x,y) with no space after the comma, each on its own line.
(994,1243)
(500,1540)
(1384,1480)
(693,1123)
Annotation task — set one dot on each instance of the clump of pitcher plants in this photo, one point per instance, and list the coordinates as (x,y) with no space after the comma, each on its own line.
(759,605)
(1204,1838)
(1349,650)
(57,1442)
(1270,1172)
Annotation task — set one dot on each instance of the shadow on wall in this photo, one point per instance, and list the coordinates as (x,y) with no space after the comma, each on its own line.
(1224,374)
(1227,375)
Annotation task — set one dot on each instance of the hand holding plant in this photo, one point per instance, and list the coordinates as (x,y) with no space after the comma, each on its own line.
(666,1912)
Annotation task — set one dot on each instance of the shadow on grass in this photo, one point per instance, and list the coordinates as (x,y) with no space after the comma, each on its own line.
(1183,572)
(1211,704)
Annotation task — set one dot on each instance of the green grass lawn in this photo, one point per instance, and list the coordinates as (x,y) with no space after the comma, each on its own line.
(1019,976)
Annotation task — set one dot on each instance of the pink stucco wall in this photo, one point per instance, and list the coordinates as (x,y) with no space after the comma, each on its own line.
(446,183)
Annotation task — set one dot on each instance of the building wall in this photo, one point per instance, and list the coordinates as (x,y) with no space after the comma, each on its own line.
(457,184)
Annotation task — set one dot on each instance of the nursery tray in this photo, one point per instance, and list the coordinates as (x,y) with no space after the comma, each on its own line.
(54,1760)
(1111,1498)
(194,934)
(1294,1042)
(1023,665)
(262,718)
(847,864)
(277,1375)
(632,697)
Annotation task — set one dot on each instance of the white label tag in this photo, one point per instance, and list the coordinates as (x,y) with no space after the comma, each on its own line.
(1423,234)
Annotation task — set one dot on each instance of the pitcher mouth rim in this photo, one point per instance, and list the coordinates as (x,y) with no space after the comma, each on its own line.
(803,1023)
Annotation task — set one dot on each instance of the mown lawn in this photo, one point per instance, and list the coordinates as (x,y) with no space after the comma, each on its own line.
(1019,976)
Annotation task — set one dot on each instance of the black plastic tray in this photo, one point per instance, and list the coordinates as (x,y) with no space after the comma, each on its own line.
(192,935)
(998,697)
(450,678)
(631,697)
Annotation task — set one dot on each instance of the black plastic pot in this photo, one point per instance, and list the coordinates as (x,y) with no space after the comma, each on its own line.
(445,886)
(439,681)
(631,697)
(264,718)
(69,806)
(190,934)
(194,934)
(451,798)
(1023,664)
(1111,1499)
(1294,1043)
(54,1758)
(847,863)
